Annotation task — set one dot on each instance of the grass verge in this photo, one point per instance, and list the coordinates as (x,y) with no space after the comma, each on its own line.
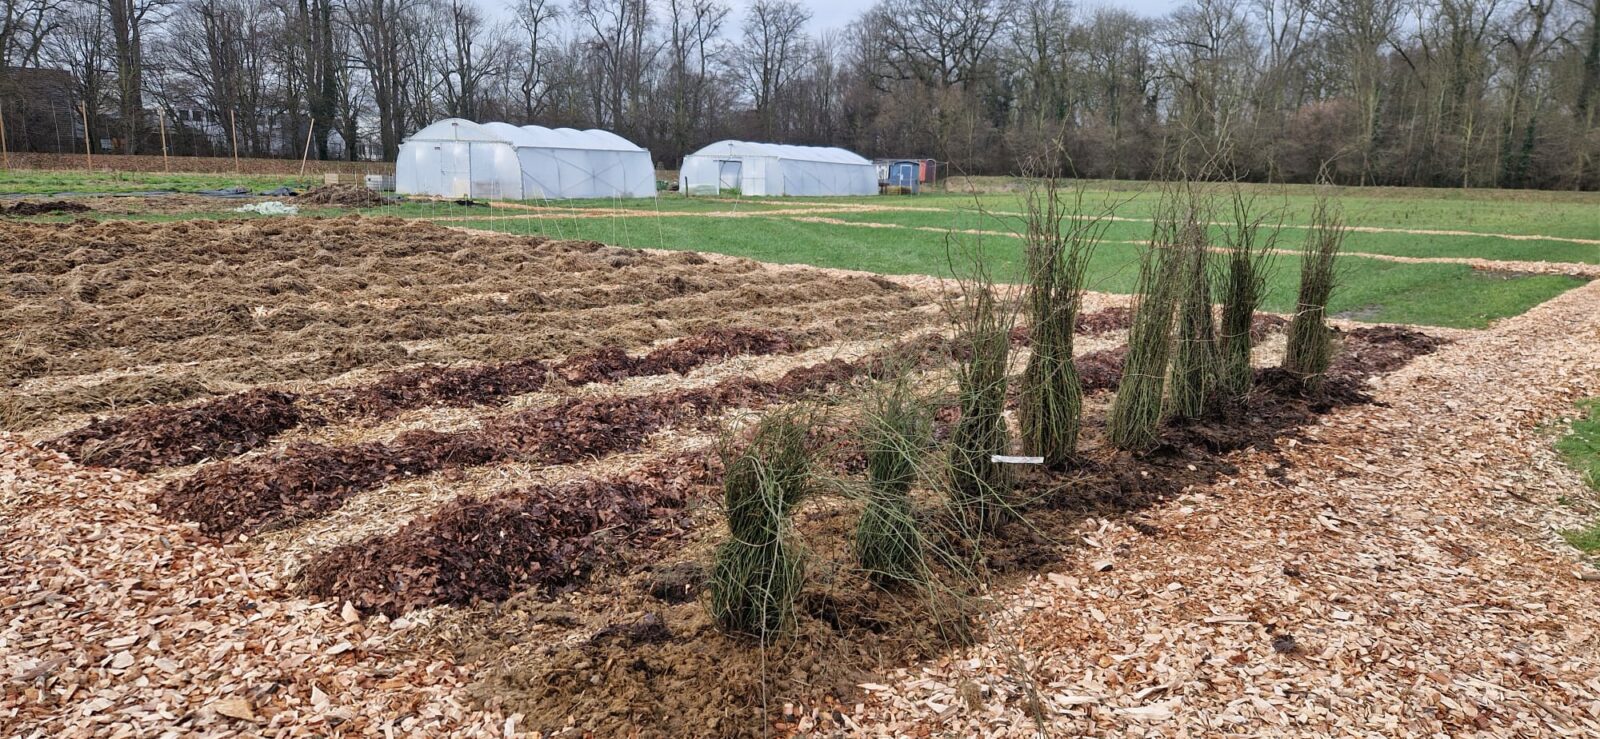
(1581,450)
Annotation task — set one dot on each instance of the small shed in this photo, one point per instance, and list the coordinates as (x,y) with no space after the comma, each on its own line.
(759,169)
(459,158)
(901,173)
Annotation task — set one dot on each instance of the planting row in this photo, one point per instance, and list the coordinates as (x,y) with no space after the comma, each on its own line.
(562,333)
(1367,351)
(190,333)
(164,436)
(305,480)
(1119,318)
(485,550)
(547,536)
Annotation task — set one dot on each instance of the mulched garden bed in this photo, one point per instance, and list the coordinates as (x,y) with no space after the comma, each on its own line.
(305,480)
(230,425)
(487,549)
(43,208)
(161,436)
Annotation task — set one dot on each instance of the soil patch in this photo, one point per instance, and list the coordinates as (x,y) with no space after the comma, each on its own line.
(1106,320)
(43,208)
(353,196)
(1375,350)
(1262,324)
(1101,370)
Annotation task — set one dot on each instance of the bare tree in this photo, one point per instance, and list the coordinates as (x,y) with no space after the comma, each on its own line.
(939,42)
(616,36)
(79,46)
(1527,43)
(537,19)
(693,27)
(1587,100)
(770,46)
(1357,32)
(128,20)
(1041,42)
(382,30)
(1211,61)
(469,57)
(25,26)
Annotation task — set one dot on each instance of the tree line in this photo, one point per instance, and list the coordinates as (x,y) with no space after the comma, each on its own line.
(1470,93)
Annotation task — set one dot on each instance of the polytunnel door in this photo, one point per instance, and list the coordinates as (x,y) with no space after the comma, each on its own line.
(455,169)
(728,174)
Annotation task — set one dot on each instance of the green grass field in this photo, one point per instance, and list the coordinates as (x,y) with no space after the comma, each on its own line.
(919,234)
(1580,448)
(1373,290)
(49,182)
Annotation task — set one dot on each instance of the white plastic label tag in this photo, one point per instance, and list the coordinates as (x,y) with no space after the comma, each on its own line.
(1004,459)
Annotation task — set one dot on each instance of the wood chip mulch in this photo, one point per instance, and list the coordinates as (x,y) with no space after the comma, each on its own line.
(1398,575)
(115,622)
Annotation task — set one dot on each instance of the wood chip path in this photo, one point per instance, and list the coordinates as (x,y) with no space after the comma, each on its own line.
(1400,575)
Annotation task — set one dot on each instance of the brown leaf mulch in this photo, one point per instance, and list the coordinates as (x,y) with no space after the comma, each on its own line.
(1101,370)
(43,207)
(164,435)
(304,479)
(488,549)
(230,425)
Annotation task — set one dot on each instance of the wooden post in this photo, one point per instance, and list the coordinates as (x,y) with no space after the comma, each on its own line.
(307,153)
(234,123)
(161,117)
(4,152)
(88,152)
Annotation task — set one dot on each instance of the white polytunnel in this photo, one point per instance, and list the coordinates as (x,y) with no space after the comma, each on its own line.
(460,159)
(776,169)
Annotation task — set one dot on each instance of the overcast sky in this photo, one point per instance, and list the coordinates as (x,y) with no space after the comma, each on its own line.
(833,14)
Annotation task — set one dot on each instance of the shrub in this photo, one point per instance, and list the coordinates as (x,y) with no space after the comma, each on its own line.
(981,347)
(760,569)
(1059,243)
(1136,412)
(888,544)
(1249,259)
(1194,362)
(1310,348)
(978,484)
